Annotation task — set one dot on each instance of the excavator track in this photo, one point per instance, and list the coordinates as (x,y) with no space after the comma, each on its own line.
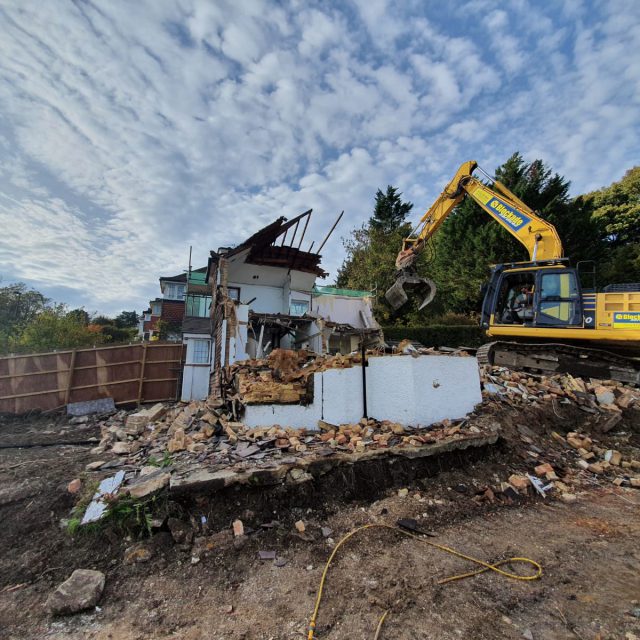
(561,358)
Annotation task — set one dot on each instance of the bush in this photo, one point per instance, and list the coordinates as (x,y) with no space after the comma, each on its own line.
(439,335)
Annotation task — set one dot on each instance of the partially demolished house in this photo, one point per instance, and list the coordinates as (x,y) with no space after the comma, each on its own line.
(263,295)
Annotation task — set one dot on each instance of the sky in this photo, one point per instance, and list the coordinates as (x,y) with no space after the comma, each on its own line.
(130,131)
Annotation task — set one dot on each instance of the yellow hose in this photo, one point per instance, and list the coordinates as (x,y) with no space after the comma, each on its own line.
(485,567)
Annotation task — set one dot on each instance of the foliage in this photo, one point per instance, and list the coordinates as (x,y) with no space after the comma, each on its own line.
(56,328)
(126,319)
(166,328)
(371,250)
(389,212)
(18,307)
(616,209)
(166,461)
(438,335)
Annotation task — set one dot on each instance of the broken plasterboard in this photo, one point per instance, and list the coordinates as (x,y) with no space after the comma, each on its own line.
(98,505)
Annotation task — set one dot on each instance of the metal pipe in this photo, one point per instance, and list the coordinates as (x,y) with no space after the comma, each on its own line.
(363,351)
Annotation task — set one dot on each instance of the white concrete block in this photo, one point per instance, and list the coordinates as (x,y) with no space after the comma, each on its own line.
(411,391)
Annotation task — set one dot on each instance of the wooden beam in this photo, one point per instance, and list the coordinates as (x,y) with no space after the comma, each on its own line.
(142,364)
(67,393)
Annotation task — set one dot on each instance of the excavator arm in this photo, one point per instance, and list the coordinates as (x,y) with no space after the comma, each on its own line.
(537,235)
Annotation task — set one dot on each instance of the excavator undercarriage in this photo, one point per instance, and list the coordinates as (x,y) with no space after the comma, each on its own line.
(552,358)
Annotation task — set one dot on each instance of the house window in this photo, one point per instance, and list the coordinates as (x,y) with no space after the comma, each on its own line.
(234,293)
(200,352)
(174,291)
(198,306)
(156,309)
(298,307)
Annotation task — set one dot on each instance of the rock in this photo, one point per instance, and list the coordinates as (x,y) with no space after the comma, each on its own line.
(543,469)
(121,448)
(179,442)
(300,526)
(634,482)
(181,532)
(403,493)
(527,635)
(137,553)
(613,457)
(604,395)
(596,467)
(520,483)
(94,466)
(148,484)
(80,591)
(610,423)
(297,475)
(74,486)
(326,532)
(238,528)
(568,497)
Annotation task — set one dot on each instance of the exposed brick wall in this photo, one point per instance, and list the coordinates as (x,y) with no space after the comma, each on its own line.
(172,310)
(150,325)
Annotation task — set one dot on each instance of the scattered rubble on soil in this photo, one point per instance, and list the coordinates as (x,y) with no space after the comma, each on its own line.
(206,444)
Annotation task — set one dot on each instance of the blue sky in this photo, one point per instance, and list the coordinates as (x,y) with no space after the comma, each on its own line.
(131,130)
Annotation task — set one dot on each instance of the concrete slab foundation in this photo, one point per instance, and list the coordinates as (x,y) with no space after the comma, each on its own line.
(409,390)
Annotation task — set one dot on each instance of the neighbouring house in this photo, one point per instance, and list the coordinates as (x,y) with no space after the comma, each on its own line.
(262,295)
(170,309)
(196,335)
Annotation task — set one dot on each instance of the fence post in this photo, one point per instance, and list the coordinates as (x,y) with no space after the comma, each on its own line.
(67,393)
(144,361)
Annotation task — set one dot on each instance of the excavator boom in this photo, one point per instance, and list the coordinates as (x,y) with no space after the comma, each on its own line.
(537,235)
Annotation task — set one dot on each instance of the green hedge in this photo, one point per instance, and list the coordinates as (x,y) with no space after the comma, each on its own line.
(439,335)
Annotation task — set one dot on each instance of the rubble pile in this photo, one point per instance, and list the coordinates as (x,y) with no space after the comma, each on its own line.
(526,388)
(156,443)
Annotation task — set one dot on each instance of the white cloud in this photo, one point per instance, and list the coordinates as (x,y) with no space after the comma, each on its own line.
(130,130)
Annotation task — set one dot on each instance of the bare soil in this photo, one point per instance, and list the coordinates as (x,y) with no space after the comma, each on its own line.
(588,549)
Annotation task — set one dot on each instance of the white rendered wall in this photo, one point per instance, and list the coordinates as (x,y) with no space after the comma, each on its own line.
(268,299)
(411,391)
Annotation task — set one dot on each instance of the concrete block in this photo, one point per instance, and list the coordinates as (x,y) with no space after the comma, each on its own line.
(403,389)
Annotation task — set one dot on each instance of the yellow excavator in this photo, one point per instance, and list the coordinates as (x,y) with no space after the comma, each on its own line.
(547,320)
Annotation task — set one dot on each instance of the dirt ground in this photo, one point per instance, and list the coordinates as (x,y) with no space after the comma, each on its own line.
(214,589)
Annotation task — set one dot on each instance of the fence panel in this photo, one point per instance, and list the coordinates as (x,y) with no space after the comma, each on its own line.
(128,373)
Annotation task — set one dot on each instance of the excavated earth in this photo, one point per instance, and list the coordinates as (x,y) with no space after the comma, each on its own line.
(212,585)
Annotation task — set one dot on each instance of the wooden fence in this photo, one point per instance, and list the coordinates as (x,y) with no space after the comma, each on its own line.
(134,373)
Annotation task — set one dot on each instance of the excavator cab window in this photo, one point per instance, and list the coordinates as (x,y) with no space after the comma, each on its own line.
(515,299)
(558,299)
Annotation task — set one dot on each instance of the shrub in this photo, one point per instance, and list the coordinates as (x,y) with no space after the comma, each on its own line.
(439,335)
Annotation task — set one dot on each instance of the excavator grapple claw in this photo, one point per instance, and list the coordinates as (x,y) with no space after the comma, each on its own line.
(396,295)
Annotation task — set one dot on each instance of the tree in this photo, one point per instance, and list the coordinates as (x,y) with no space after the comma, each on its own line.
(616,210)
(81,315)
(126,319)
(18,307)
(371,251)
(389,212)
(57,328)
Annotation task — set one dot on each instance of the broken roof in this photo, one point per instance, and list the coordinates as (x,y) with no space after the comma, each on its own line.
(262,248)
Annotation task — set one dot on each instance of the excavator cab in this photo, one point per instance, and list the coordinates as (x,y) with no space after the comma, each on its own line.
(533,295)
